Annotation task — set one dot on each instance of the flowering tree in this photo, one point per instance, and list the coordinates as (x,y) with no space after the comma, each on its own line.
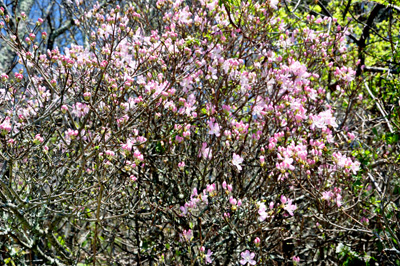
(210,140)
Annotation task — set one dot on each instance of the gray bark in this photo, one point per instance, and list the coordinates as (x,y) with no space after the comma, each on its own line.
(7,56)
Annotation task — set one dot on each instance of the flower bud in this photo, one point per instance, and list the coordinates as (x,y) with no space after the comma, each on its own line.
(64,109)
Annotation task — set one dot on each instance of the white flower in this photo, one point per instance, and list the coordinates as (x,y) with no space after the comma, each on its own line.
(237,160)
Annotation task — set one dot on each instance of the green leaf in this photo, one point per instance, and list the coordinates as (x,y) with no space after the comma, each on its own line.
(392,138)
(375,131)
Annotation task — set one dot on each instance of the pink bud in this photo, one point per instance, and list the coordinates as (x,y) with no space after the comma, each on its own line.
(319,20)
(271,205)
(239,203)
(64,108)
(283,199)
(4,76)
(351,136)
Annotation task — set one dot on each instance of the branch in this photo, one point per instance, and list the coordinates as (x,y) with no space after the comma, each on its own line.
(382,70)
(6,12)
(379,107)
(365,35)
(327,13)
(58,32)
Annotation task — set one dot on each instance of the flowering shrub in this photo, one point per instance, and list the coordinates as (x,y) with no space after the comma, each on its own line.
(208,141)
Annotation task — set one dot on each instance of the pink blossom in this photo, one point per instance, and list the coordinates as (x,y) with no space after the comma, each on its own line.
(5,127)
(138,155)
(339,200)
(87,95)
(38,139)
(262,212)
(271,205)
(184,210)
(274,3)
(355,166)
(185,16)
(211,188)
(345,73)
(288,206)
(247,257)
(208,257)
(283,199)
(232,201)
(64,108)
(262,160)
(214,128)
(351,135)
(212,4)
(327,195)
(128,145)
(187,235)
(19,76)
(237,160)
(4,76)
(110,153)
(80,109)
(239,203)
(71,133)
(364,220)
(287,162)
(205,152)
(299,69)
(322,120)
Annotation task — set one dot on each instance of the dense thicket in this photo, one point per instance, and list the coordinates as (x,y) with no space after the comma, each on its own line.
(199,132)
